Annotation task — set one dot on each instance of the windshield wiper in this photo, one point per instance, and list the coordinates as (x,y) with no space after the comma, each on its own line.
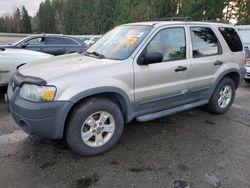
(95,54)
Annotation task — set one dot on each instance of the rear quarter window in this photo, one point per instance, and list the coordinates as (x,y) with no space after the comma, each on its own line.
(232,38)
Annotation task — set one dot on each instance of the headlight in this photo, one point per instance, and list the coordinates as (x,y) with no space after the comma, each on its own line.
(37,93)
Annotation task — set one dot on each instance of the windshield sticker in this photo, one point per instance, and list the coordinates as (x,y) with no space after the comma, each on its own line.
(135,34)
(130,41)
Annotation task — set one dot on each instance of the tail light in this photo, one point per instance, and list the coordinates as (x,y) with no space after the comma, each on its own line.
(247,54)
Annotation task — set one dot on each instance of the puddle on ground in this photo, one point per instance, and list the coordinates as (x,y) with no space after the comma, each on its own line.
(14,137)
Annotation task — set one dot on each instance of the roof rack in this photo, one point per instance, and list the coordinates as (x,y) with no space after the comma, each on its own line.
(187,18)
(218,21)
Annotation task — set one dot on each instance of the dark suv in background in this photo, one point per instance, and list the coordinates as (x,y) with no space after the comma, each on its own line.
(51,44)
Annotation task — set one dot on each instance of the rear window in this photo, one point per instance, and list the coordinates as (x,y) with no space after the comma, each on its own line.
(232,38)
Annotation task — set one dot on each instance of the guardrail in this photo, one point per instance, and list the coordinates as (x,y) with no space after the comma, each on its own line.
(26,35)
(14,35)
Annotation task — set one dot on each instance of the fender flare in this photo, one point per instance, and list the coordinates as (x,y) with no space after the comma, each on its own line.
(217,81)
(129,105)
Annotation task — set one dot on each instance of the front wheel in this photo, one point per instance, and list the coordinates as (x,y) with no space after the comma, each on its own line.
(94,127)
(222,97)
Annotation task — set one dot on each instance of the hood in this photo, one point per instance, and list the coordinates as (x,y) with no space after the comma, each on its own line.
(64,65)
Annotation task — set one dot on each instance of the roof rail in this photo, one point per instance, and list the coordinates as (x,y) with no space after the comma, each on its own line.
(187,18)
(218,21)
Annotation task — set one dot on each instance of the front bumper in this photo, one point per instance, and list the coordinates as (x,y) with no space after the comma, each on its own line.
(45,119)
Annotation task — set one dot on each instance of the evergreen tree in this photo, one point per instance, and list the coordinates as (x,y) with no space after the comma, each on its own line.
(46,17)
(98,16)
(104,16)
(203,9)
(72,15)
(243,11)
(26,21)
(16,23)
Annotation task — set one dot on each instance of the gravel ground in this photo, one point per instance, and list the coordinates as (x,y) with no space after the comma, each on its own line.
(189,149)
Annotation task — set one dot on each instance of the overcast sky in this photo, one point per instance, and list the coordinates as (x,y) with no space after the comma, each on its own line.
(9,6)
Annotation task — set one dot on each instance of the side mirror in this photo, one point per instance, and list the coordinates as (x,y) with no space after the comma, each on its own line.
(155,57)
(24,45)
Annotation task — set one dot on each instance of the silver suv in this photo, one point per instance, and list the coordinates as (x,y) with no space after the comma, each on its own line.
(140,70)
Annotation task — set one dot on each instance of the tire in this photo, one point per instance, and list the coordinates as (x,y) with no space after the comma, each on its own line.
(247,80)
(213,105)
(92,110)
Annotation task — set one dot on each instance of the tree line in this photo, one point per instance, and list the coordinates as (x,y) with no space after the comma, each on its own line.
(98,16)
(19,22)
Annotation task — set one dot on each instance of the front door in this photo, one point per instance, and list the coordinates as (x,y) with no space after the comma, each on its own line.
(36,44)
(164,84)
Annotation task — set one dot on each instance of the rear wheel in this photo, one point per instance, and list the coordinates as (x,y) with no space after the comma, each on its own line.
(95,126)
(222,97)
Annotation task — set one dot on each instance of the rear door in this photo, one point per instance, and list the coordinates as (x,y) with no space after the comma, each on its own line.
(54,45)
(206,59)
(164,84)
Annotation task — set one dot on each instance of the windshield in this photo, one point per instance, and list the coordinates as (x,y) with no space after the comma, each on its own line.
(245,36)
(120,42)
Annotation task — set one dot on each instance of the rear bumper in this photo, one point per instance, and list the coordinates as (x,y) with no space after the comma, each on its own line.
(247,76)
(43,119)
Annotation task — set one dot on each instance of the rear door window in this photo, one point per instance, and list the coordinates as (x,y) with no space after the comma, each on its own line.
(59,41)
(53,41)
(204,42)
(232,38)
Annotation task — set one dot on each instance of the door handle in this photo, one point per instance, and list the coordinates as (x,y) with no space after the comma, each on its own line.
(218,63)
(180,68)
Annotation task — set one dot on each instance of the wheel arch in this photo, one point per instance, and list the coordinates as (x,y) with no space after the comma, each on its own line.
(234,74)
(116,95)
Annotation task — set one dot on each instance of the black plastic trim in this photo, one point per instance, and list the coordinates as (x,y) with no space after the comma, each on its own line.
(20,79)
